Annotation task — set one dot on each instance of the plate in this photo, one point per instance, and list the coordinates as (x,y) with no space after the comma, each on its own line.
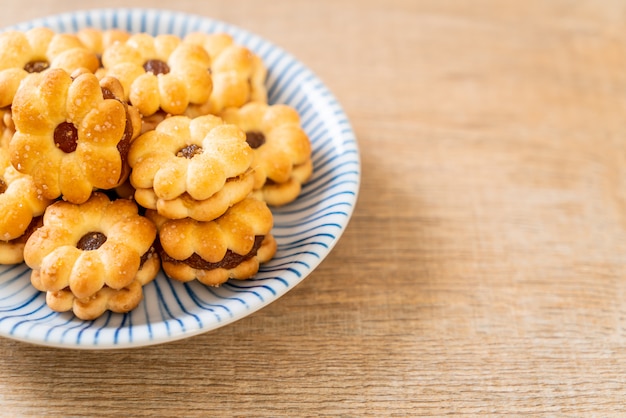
(306,230)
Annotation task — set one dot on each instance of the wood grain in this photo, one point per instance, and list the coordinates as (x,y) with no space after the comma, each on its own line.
(483,270)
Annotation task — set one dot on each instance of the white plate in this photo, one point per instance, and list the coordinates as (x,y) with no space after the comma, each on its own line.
(306,230)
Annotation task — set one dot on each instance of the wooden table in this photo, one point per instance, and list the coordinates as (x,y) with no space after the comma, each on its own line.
(484,269)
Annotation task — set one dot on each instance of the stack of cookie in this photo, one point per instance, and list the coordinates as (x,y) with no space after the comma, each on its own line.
(194,176)
(124,153)
(21,207)
(92,257)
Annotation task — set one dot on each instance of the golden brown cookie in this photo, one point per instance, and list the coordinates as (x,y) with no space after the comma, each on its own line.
(160,73)
(194,168)
(229,247)
(72,134)
(238,73)
(20,205)
(37,50)
(93,256)
(282,150)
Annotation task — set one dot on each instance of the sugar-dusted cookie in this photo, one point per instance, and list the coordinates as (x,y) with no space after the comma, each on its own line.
(72,134)
(238,73)
(229,247)
(160,73)
(282,150)
(20,205)
(93,256)
(194,168)
(37,50)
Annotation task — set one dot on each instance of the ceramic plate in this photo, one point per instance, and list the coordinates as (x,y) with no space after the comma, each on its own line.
(306,230)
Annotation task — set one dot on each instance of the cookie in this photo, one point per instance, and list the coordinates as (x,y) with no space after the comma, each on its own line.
(282,150)
(160,73)
(238,74)
(20,200)
(194,168)
(20,206)
(37,50)
(229,247)
(72,134)
(92,257)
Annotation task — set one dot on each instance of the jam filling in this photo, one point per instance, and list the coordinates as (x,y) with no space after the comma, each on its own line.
(3,186)
(108,94)
(124,145)
(36,66)
(189,151)
(148,254)
(255,139)
(91,241)
(231,259)
(66,137)
(156,67)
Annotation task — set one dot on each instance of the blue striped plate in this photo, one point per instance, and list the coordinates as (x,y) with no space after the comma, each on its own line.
(306,230)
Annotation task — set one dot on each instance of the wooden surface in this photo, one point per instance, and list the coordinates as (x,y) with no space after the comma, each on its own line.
(484,269)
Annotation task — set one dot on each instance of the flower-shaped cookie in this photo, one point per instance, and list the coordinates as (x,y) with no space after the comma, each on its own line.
(20,205)
(229,247)
(160,72)
(20,201)
(238,74)
(81,250)
(282,150)
(194,168)
(35,51)
(72,135)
